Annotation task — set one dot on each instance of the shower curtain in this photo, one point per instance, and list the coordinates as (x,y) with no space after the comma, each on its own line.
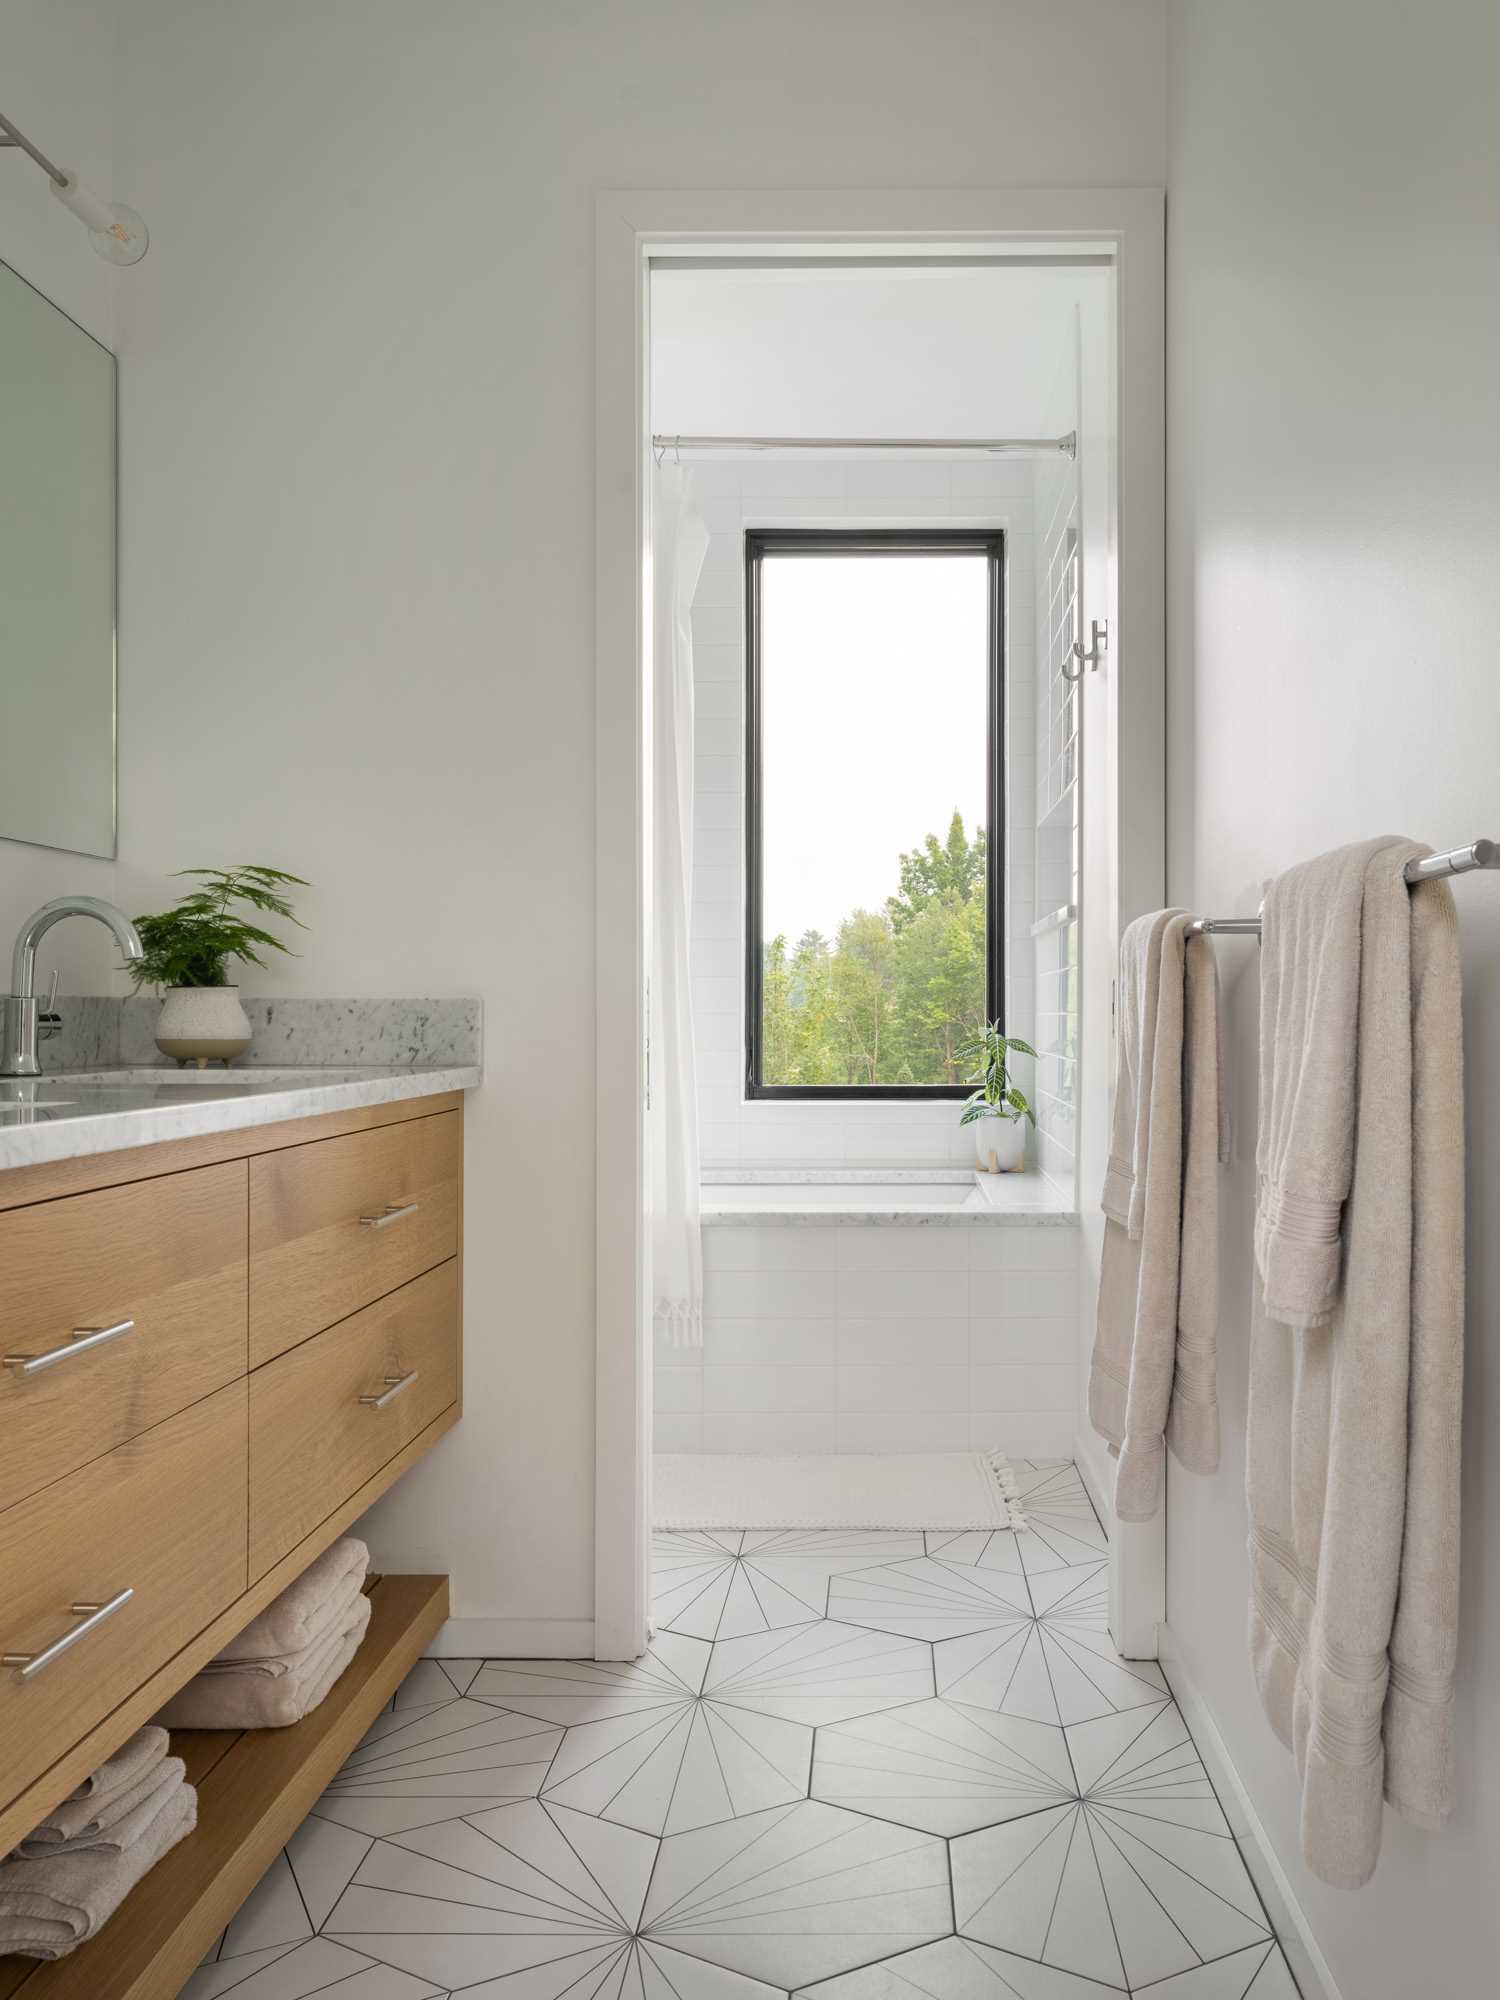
(679,541)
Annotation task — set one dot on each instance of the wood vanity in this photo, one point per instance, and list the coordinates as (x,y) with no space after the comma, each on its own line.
(221,1350)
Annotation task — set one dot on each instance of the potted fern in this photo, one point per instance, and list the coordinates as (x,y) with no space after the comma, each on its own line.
(188,949)
(997,1109)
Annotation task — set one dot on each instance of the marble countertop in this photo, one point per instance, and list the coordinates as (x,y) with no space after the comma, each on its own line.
(73,1113)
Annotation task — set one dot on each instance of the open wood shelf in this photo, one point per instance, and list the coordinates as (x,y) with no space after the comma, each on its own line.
(255,1787)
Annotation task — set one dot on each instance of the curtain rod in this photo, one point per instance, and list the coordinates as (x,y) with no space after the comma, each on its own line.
(1427,868)
(1067,446)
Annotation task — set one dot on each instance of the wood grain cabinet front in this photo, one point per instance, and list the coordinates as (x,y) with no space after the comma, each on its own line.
(217,1352)
(325,1417)
(107,1573)
(339,1223)
(117,1309)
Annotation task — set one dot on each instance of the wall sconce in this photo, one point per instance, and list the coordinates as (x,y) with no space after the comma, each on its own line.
(116,232)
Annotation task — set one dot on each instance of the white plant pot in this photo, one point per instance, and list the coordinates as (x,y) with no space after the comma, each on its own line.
(1000,1144)
(202,1024)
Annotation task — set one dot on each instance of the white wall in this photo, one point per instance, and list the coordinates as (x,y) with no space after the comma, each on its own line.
(357,618)
(1334,321)
(59,73)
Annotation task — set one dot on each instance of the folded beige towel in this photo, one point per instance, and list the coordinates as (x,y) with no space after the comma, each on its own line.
(1309,1034)
(249,1699)
(331,1621)
(1352,1443)
(1153,1367)
(50,1907)
(113,1822)
(299,1615)
(130,1762)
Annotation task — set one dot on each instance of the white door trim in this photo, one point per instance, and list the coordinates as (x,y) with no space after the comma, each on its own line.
(628,227)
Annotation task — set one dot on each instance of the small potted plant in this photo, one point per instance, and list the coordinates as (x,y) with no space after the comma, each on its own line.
(997,1110)
(188,947)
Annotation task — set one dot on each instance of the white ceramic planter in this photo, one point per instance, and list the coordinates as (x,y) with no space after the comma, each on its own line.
(1000,1144)
(202,1024)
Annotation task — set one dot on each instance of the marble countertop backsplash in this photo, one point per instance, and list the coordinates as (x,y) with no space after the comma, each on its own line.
(105,1032)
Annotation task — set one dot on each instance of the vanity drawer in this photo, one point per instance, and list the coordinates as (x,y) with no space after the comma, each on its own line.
(340,1222)
(327,1416)
(163,1517)
(165,1261)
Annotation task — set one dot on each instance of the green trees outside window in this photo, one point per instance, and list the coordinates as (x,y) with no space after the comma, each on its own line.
(897,995)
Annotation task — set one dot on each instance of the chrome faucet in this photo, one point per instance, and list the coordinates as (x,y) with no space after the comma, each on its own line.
(23,1018)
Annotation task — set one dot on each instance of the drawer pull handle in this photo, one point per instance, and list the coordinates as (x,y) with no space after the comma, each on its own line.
(83,1338)
(394,1386)
(392,1212)
(90,1616)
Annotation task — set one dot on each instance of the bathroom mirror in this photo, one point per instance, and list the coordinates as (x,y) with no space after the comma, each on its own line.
(57,577)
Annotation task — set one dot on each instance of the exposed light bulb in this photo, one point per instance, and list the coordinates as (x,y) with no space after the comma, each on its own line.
(126,240)
(116,232)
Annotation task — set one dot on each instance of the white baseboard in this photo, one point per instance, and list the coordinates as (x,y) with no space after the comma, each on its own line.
(1309,1967)
(514,1639)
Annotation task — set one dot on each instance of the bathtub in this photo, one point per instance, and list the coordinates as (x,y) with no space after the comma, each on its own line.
(879,1309)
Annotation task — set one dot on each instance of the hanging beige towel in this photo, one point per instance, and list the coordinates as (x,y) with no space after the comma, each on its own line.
(300,1614)
(114,1822)
(48,1908)
(1353,1434)
(248,1699)
(1124,1196)
(1309,1035)
(1152,1374)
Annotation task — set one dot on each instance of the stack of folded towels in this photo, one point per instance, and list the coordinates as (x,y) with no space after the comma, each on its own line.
(286,1660)
(71,1873)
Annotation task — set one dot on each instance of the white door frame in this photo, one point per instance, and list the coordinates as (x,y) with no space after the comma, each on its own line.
(629,228)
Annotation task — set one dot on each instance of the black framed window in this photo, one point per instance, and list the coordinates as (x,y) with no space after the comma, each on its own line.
(875,809)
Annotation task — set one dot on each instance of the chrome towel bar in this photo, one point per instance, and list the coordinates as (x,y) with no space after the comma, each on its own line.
(1457,861)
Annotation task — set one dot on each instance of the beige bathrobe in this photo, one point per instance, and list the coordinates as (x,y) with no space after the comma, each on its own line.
(1356,1365)
(1152,1377)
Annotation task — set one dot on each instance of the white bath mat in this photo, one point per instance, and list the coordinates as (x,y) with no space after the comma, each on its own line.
(914,1490)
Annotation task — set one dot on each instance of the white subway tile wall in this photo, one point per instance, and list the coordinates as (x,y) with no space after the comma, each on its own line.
(819,494)
(880,1337)
(1056,853)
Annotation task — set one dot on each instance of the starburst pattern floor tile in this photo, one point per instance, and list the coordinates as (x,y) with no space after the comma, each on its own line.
(1060,1666)
(646,1747)
(820,1673)
(297,1972)
(1061,1525)
(943,1767)
(850,1767)
(930,1599)
(800,1893)
(977,1548)
(956,1968)
(1108,1890)
(435,1763)
(723,1584)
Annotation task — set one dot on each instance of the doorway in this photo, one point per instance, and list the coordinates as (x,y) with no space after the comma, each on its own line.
(711,271)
